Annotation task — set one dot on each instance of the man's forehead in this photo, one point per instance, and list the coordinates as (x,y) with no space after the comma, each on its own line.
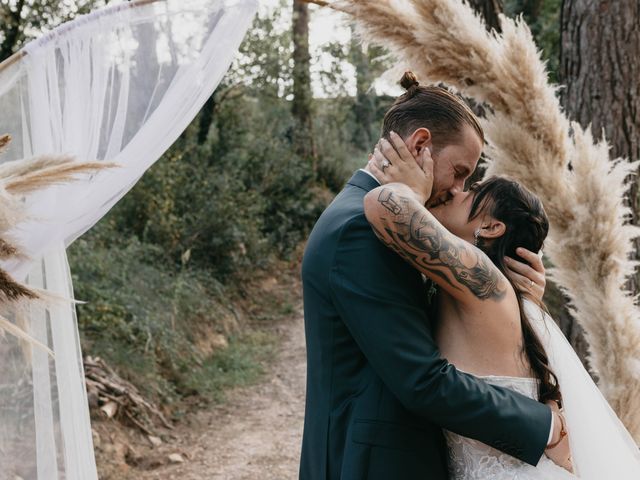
(470,155)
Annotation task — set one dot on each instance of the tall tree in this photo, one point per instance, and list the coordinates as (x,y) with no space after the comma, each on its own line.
(364,108)
(302,95)
(369,61)
(261,69)
(600,68)
(489,9)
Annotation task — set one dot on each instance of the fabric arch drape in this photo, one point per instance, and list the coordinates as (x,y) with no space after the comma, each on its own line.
(117,85)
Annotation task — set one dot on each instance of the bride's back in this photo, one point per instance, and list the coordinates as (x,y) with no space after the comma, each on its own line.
(482,341)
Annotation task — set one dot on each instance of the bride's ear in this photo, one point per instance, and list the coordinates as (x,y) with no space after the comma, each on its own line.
(492,229)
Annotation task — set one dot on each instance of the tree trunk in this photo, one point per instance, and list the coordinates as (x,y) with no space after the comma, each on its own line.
(302,96)
(489,9)
(364,108)
(206,119)
(600,68)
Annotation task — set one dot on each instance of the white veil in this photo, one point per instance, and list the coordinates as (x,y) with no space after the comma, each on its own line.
(119,85)
(600,445)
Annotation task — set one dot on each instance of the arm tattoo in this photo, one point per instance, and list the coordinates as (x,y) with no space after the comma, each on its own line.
(387,201)
(419,238)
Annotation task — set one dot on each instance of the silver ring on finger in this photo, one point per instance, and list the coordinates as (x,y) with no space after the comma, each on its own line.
(385,164)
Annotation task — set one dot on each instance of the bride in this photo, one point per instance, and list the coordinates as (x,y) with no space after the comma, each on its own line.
(485,325)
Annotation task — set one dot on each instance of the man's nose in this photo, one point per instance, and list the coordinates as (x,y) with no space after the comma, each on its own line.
(458,185)
(456,188)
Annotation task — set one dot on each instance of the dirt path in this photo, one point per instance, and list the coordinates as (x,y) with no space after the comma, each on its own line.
(256,434)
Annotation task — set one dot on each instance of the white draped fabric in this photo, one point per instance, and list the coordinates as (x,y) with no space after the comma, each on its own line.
(118,85)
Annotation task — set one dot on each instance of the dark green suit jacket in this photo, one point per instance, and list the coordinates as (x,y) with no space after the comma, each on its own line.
(378,392)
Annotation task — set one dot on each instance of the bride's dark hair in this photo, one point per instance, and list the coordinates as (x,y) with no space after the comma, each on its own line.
(527,226)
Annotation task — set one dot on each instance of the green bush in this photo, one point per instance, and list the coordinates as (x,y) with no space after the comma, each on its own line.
(141,316)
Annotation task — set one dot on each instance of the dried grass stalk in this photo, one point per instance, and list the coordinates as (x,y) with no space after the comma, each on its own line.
(11,211)
(52,175)
(9,327)
(11,291)
(529,140)
(5,139)
(18,178)
(17,168)
(7,250)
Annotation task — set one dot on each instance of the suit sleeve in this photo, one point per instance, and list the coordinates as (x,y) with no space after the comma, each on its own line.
(382,310)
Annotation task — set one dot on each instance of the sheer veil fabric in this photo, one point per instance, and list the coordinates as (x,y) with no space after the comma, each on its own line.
(117,85)
(600,444)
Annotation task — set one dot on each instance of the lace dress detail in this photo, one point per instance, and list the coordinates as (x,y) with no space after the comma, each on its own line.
(473,460)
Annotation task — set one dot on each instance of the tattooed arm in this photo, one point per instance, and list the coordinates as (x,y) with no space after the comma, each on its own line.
(403,224)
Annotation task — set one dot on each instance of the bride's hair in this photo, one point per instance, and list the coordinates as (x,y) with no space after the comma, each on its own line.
(430,107)
(527,226)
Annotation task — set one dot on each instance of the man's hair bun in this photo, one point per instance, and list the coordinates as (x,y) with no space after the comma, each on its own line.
(409,80)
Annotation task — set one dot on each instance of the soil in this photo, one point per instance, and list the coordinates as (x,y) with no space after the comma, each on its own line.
(255,434)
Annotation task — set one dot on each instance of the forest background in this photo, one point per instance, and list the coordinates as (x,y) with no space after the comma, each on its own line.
(184,277)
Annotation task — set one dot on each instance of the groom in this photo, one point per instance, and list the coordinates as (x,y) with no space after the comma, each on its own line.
(378,392)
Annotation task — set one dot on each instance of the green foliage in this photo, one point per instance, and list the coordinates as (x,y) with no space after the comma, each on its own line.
(264,63)
(543,17)
(23,20)
(369,63)
(334,127)
(141,315)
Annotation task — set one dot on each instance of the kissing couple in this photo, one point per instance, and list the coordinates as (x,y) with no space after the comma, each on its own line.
(429,352)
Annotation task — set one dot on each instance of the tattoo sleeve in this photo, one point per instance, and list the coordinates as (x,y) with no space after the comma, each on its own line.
(408,228)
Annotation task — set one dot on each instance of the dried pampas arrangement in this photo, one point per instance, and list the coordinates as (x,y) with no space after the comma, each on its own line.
(17,179)
(531,140)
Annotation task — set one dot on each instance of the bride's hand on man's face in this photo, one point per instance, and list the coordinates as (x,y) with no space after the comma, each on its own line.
(392,162)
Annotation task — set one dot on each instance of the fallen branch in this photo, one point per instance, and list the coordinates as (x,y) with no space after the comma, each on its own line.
(119,399)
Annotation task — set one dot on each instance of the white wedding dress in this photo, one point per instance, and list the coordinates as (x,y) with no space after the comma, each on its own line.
(473,460)
(601,447)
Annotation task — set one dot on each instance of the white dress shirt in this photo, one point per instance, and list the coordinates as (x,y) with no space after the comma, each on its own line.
(371,175)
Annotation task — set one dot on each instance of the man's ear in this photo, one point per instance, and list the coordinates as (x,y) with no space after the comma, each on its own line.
(419,140)
(492,229)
